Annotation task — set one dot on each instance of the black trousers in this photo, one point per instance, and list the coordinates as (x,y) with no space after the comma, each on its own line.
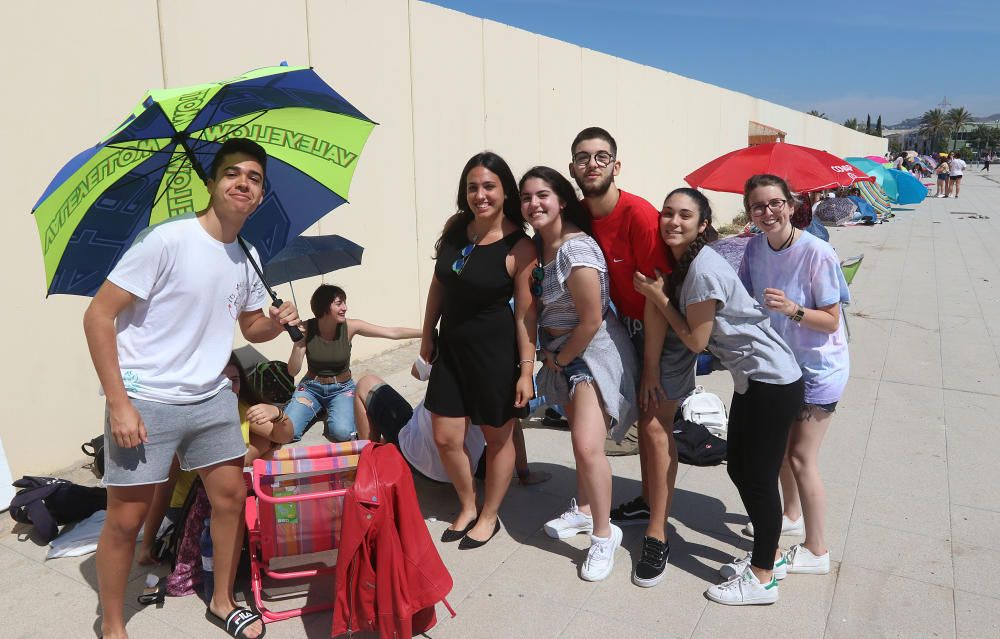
(759,421)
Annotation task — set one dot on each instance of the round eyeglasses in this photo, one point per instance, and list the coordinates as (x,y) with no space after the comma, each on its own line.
(602,158)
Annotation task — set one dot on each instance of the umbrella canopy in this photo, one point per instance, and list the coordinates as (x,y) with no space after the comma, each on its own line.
(912,154)
(804,169)
(881,174)
(929,161)
(153,166)
(878,159)
(910,190)
(835,211)
(874,195)
(311,255)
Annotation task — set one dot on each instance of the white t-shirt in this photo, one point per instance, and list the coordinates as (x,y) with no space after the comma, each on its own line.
(956,166)
(416,442)
(176,338)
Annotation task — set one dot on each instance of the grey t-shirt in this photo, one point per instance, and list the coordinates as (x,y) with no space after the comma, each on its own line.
(742,336)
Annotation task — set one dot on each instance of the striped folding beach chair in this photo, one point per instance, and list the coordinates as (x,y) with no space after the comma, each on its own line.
(294,515)
(875,196)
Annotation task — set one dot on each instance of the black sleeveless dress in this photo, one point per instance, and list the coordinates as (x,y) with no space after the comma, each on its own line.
(476,370)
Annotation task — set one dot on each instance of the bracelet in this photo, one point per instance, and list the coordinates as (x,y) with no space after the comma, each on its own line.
(798,314)
(280,417)
(526,361)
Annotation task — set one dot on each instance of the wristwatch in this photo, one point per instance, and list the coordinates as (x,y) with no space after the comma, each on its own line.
(798,314)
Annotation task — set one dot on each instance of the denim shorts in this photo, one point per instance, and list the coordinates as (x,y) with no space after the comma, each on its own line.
(201,435)
(677,362)
(577,372)
(807,408)
(311,397)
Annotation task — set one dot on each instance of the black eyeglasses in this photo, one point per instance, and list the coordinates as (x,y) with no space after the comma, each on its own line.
(775,205)
(603,158)
(537,275)
(460,263)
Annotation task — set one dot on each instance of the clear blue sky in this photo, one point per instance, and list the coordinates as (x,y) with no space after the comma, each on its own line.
(845,59)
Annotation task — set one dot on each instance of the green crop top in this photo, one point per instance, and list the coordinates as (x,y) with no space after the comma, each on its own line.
(327,358)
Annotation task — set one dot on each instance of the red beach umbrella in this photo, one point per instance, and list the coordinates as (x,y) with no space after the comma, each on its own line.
(804,169)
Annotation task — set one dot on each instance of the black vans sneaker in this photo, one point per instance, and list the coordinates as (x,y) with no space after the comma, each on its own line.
(649,570)
(631,513)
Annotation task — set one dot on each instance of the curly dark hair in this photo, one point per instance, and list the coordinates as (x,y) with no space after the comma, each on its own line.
(676,279)
(573,210)
(511,204)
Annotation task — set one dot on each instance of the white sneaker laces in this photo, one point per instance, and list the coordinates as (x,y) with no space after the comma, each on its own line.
(599,551)
(572,512)
(790,555)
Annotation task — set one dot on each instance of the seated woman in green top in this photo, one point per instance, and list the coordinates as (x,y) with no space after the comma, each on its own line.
(327,350)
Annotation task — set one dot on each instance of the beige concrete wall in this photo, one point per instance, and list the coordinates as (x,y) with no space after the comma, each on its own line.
(442,85)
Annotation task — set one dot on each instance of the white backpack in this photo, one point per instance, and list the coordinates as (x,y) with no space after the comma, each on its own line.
(702,407)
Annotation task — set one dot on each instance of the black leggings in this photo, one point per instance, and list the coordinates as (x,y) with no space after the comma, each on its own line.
(759,421)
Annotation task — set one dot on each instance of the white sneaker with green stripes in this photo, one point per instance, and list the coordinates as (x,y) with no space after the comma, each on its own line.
(744,590)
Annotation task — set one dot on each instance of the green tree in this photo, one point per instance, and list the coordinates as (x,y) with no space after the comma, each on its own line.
(852,123)
(868,124)
(817,114)
(934,126)
(985,137)
(957,118)
(878,126)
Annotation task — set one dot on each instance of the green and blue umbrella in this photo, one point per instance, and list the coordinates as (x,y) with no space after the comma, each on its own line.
(153,166)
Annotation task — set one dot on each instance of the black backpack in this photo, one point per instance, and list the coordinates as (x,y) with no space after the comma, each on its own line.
(47,503)
(696,446)
(270,382)
(96,446)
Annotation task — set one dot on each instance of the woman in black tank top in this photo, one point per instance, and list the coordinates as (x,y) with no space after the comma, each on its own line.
(328,384)
(486,351)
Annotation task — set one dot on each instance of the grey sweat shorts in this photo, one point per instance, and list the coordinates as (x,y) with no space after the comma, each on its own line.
(201,434)
(677,362)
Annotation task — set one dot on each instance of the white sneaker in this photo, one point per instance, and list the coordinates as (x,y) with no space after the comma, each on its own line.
(739,566)
(601,556)
(801,561)
(744,590)
(788,527)
(571,522)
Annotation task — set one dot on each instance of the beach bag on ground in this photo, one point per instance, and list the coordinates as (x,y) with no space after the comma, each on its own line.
(48,502)
(270,382)
(696,446)
(95,449)
(706,409)
(186,576)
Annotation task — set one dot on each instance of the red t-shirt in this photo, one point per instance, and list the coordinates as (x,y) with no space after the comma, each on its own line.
(629,237)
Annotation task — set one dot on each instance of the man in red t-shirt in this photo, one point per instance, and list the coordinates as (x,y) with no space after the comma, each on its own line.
(626,228)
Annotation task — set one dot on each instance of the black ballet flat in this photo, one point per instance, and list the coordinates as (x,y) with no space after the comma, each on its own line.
(449,535)
(468,543)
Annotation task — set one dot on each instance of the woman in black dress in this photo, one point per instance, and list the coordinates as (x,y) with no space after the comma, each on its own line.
(485,355)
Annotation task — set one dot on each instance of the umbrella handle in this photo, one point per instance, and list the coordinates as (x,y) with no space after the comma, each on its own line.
(293,331)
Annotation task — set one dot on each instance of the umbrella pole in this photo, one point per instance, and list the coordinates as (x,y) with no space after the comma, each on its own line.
(292,289)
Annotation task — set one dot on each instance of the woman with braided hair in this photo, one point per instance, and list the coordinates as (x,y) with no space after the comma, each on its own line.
(705,302)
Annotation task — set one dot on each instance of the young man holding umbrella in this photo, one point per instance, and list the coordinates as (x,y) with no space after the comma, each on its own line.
(160,332)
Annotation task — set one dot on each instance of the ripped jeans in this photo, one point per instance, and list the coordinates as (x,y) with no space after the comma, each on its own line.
(577,372)
(310,397)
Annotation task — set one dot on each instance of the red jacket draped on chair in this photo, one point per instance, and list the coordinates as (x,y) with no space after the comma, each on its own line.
(389,574)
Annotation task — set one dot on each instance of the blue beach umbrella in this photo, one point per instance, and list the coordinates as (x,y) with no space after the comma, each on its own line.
(882,176)
(910,190)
